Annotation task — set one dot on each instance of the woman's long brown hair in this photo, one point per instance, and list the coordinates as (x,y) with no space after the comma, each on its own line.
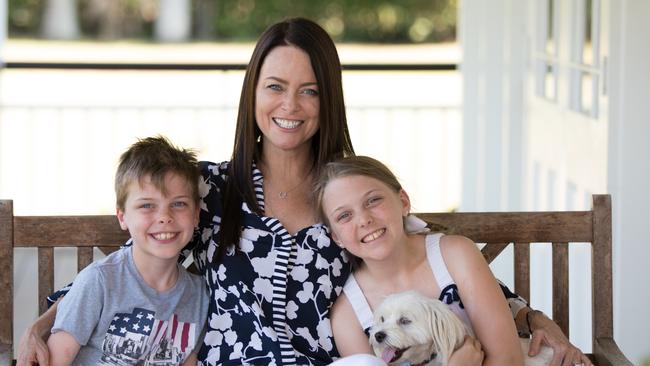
(331,141)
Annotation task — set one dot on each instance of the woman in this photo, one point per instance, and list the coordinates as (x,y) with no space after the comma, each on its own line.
(270,293)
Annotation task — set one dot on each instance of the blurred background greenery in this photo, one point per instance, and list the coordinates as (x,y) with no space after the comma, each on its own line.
(363,21)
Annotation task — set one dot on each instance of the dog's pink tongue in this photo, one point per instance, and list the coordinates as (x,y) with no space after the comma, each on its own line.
(388,354)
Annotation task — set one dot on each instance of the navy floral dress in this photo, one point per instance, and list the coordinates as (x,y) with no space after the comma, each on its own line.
(269,301)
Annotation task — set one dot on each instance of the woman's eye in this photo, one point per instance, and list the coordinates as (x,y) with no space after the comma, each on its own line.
(404,320)
(313,92)
(275,87)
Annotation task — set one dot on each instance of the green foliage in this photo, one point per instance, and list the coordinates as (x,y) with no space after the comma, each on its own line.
(24,16)
(385,21)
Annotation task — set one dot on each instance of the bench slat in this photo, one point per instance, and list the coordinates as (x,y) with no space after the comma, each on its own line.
(45,276)
(84,257)
(561,286)
(6,274)
(518,227)
(492,250)
(522,269)
(80,231)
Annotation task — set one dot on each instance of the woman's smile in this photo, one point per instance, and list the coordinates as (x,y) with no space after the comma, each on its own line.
(287,123)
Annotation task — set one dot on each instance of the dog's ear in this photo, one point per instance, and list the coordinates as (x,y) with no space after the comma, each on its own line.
(447,331)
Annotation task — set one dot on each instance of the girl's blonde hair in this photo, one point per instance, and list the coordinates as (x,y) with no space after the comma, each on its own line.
(350,166)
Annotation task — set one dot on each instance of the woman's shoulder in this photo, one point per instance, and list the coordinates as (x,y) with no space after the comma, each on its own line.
(210,168)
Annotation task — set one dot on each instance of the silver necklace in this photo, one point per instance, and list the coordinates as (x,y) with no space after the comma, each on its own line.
(284,194)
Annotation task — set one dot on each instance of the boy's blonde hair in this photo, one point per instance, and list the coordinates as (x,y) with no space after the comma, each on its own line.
(154,157)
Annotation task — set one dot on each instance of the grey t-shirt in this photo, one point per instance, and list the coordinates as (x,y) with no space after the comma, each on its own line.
(119,320)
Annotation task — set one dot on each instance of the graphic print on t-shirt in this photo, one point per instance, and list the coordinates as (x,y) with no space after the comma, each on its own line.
(139,338)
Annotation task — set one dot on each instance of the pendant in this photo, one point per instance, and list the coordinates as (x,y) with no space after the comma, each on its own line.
(283,195)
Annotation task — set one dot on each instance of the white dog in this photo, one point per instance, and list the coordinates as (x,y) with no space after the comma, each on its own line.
(410,327)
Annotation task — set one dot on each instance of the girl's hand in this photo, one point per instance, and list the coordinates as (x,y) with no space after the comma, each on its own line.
(469,354)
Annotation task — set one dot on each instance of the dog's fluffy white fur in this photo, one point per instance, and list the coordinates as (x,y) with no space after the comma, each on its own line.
(410,327)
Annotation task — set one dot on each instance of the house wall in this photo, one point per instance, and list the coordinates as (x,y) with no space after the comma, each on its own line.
(522,152)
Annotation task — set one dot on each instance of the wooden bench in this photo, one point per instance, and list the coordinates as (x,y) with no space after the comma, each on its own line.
(46,233)
(497,230)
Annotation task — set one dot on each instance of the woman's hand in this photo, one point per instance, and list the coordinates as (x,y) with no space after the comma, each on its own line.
(547,332)
(469,354)
(32,349)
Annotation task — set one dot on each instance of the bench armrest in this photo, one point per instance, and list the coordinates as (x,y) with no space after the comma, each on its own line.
(608,353)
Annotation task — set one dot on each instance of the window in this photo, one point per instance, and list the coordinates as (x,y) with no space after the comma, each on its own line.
(584,67)
(546,55)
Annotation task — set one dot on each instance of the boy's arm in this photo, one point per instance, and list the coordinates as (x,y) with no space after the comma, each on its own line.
(32,348)
(63,348)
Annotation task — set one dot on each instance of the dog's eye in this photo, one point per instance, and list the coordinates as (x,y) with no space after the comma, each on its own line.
(404,320)
(381,319)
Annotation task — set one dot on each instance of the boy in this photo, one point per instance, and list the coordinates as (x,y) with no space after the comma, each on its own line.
(138,305)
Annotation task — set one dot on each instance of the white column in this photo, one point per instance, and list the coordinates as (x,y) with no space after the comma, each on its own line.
(629,174)
(492,36)
(60,20)
(174,22)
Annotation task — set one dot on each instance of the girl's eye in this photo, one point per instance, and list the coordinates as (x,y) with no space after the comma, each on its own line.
(373,200)
(404,320)
(342,217)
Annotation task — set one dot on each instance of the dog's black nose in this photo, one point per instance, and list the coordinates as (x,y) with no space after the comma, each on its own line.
(380,336)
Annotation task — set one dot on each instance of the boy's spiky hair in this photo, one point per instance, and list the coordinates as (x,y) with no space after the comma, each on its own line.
(154,157)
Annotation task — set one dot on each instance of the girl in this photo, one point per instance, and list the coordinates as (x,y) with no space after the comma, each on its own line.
(368,213)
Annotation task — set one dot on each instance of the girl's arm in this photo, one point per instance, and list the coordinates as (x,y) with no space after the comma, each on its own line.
(483,301)
(348,335)
(63,348)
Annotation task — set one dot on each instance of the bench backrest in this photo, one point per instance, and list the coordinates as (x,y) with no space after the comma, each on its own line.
(47,233)
(496,230)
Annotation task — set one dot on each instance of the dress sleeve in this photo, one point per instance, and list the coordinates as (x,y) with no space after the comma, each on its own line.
(80,310)
(515,301)
(211,186)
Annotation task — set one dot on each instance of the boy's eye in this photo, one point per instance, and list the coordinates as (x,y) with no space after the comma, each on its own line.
(179,204)
(146,205)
